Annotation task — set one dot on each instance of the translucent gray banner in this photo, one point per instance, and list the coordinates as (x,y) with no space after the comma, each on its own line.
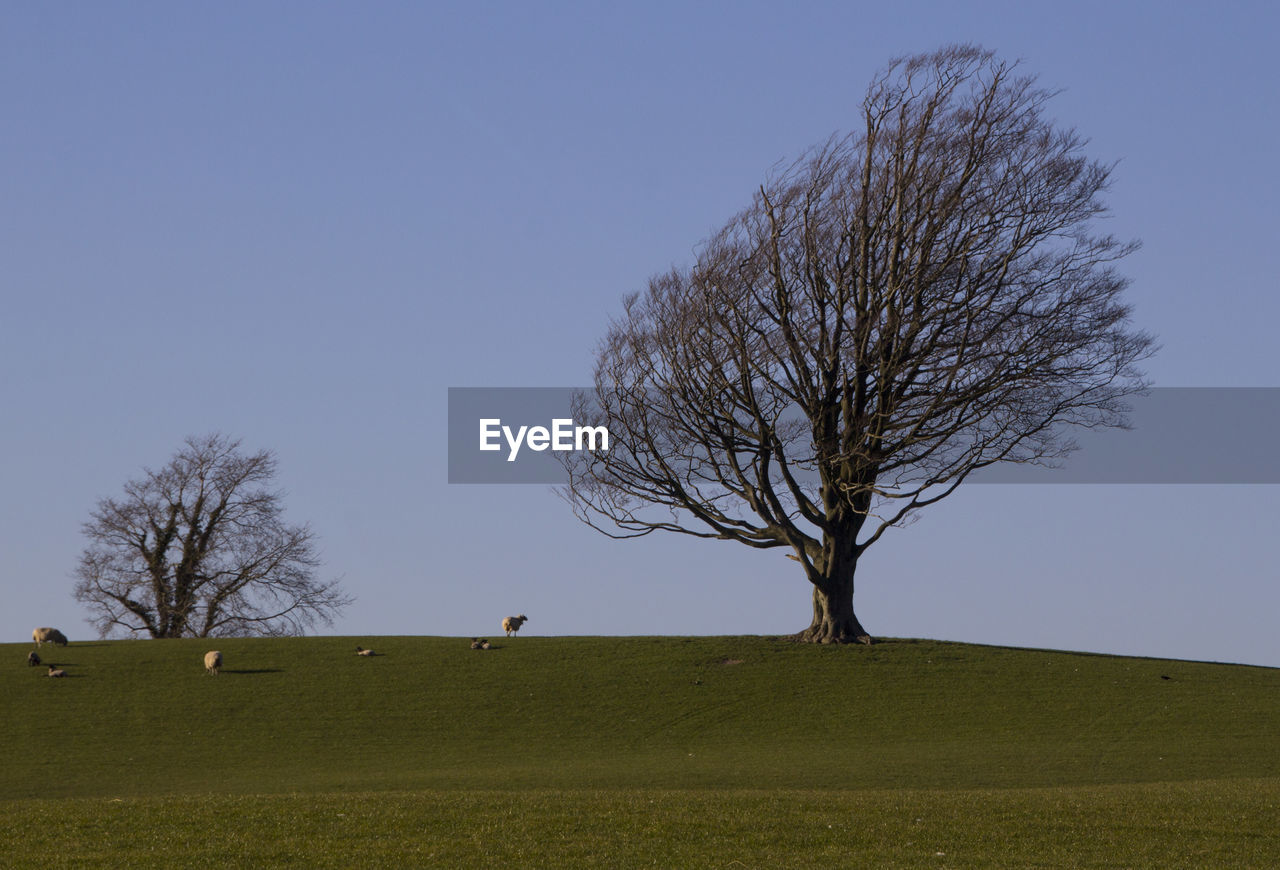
(1178,435)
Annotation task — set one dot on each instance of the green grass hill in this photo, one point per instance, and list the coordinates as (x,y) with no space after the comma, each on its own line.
(553,733)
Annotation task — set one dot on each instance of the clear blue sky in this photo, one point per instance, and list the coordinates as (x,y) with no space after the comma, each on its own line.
(301,223)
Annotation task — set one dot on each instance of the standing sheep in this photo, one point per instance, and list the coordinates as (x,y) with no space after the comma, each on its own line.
(48,635)
(212,662)
(511,624)
(32,659)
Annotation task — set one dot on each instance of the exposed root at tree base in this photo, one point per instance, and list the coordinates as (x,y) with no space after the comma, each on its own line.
(819,635)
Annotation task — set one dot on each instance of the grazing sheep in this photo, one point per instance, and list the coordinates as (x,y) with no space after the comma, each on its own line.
(33,659)
(48,635)
(361,651)
(512,624)
(55,671)
(212,662)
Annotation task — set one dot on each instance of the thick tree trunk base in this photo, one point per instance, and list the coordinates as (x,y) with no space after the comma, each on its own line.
(833,618)
(832,634)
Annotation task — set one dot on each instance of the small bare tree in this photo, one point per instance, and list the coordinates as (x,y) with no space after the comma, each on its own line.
(899,308)
(200,548)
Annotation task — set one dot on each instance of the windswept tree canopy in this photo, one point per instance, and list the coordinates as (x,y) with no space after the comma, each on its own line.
(200,548)
(900,307)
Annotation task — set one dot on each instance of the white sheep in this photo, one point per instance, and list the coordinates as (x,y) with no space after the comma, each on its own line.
(56,671)
(48,635)
(512,624)
(33,659)
(361,651)
(212,662)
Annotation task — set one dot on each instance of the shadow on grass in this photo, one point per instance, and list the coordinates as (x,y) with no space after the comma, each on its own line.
(253,671)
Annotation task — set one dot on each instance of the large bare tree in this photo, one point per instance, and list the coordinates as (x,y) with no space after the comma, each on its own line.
(200,548)
(901,307)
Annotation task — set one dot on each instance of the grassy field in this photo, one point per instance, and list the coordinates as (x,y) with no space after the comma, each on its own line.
(669,752)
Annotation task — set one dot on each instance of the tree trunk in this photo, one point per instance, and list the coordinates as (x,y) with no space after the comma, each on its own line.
(833,618)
